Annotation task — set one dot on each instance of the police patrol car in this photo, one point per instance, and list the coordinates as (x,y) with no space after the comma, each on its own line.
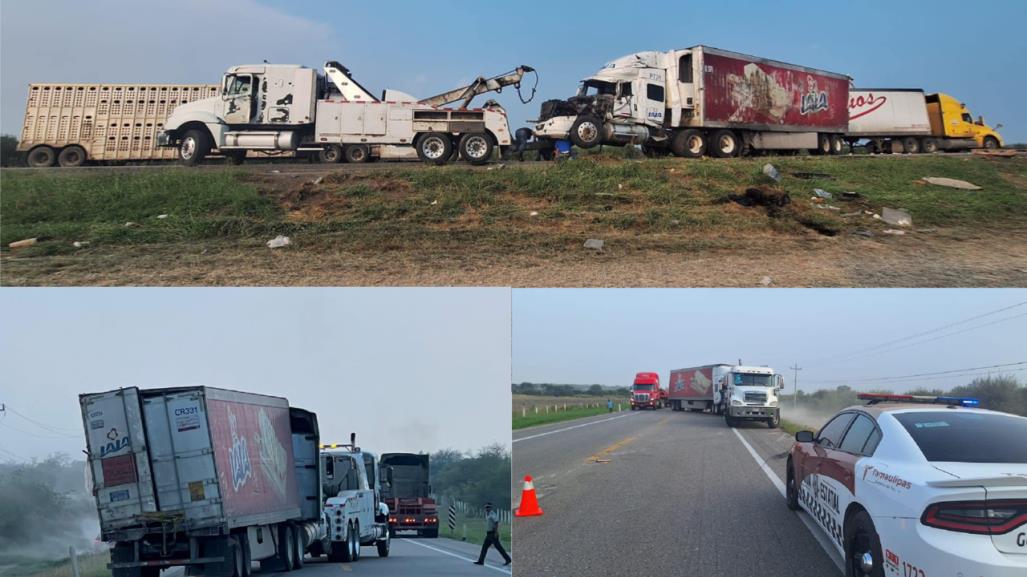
(913,486)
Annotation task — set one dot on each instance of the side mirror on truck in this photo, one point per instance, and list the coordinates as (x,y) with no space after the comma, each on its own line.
(804,437)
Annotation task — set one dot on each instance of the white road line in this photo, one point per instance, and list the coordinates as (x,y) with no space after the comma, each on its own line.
(574,427)
(436,549)
(818,535)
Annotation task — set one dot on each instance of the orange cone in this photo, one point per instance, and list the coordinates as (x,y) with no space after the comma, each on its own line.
(529,502)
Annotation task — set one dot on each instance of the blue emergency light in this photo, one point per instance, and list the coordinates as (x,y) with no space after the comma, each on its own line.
(874,398)
(964,401)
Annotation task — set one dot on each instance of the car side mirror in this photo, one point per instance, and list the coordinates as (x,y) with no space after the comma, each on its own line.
(804,437)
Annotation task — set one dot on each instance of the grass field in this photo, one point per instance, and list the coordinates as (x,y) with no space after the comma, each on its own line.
(477,217)
(90,565)
(533,410)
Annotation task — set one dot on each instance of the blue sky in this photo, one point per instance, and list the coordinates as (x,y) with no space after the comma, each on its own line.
(406,369)
(606,336)
(971,50)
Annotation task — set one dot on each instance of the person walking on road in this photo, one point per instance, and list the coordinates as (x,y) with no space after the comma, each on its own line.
(491,536)
(609,405)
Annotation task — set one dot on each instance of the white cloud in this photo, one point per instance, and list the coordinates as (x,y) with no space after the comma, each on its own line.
(189,41)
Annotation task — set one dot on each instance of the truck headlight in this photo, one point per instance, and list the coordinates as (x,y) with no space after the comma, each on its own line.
(773,403)
(736,403)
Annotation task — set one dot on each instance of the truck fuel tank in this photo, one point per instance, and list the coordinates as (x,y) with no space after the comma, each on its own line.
(272,140)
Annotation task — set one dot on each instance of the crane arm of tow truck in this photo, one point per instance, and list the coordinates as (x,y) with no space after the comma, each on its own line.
(482,85)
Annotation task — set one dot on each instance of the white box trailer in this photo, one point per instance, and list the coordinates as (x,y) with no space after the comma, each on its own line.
(202,477)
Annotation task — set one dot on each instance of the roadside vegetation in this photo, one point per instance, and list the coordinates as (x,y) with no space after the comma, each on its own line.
(668,205)
(544,403)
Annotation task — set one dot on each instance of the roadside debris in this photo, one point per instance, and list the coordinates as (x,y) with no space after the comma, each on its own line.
(496,167)
(850,195)
(822,193)
(317,180)
(761,197)
(23,243)
(131,224)
(434,202)
(594,244)
(950,183)
(865,233)
(80,243)
(533,213)
(995,153)
(766,281)
(771,172)
(896,217)
(812,176)
(279,241)
(161,216)
(893,232)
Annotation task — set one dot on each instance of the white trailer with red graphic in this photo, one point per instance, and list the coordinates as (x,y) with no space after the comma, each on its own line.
(697,388)
(206,478)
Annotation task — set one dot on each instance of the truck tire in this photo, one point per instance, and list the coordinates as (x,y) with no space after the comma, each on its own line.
(194,147)
(123,553)
(729,420)
(286,548)
(384,545)
(991,143)
(823,145)
(434,148)
(689,143)
(72,156)
(774,421)
(929,146)
(587,132)
(41,157)
(725,144)
(791,488)
(837,144)
(235,157)
(911,145)
(356,542)
(357,153)
(298,552)
(331,154)
(247,555)
(476,147)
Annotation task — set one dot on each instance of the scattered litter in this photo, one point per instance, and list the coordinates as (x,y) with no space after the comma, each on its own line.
(594,244)
(850,195)
(876,216)
(896,217)
(766,281)
(816,199)
(434,202)
(996,153)
(761,197)
(675,222)
(822,193)
(620,187)
(278,242)
(771,172)
(950,182)
(317,180)
(605,194)
(827,207)
(812,175)
(533,213)
(162,216)
(23,243)
(276,171)
(80,243)
(601,461)
(496,167)
(848,214)
(865,233)
(893,231)
(131,224)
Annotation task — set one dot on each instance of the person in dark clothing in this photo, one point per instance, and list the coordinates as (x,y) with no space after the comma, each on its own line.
(491,536)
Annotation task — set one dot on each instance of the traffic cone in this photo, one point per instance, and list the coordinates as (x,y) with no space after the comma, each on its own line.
(529,502)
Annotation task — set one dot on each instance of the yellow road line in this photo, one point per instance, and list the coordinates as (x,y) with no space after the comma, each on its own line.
(599,457)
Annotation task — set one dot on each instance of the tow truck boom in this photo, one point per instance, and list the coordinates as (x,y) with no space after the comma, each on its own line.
(481,85)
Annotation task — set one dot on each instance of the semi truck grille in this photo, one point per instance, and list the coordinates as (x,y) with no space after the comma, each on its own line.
(642,398)
(758,398)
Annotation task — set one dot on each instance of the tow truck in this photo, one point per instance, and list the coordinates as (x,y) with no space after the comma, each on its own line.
(354,514)
(279,108)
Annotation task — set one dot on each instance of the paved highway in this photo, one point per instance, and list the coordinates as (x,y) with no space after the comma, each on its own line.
(660,493)
(409,557)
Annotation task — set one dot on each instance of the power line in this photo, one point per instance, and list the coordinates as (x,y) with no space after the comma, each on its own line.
(51,428)
(875,348)
(935,374)
(6,425)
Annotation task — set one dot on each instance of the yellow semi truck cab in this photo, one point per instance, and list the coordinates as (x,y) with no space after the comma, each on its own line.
(950,119)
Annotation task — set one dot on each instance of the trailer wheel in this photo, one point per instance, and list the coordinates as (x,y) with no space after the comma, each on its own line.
(837,144)
(911,145)
(357,153)
(384,545)
(991,143)
(298,552)
(434,148)
(330,154)
(689,143)
(286,548)
(587,132)
(194,147)
(42,157)
(928,146)
(823,145)
(725,144)
(72,156)
(476,147)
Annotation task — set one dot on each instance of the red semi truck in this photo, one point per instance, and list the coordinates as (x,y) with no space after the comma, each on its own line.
(703,100)
(408,494)
(646,392)
(201,477)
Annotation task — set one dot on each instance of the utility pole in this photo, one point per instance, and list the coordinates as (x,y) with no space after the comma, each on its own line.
(795,384)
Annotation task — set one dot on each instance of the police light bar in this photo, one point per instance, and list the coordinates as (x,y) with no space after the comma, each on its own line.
(874,398)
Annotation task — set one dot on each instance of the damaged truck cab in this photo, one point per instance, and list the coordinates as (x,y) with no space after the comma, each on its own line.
(702,100)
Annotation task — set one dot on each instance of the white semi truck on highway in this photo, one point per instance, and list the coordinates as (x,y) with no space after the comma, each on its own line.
(279,108)
(738,392)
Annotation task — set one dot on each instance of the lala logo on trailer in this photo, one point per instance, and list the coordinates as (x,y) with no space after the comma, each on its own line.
(115,444)
(238,456)
(815,99)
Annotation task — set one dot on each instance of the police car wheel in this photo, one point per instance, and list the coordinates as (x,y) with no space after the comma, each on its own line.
(792,489)
(863,556)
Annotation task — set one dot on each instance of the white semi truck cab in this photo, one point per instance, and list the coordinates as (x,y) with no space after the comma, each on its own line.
(354,514)
(751,394)
(278,108)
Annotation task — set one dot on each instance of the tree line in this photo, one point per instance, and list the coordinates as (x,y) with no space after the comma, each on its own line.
(555,390)
(474,478)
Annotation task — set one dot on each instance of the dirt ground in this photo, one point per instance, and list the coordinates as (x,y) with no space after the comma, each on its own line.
(934,258)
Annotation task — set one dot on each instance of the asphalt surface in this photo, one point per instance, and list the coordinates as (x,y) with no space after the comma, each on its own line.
(418,557)
(660,493)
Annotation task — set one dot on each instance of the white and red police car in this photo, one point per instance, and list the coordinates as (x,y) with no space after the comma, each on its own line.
(917,487)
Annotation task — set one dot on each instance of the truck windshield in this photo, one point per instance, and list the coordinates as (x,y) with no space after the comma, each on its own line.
(643,387)
(596,87)
(746,380)
(237,86)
